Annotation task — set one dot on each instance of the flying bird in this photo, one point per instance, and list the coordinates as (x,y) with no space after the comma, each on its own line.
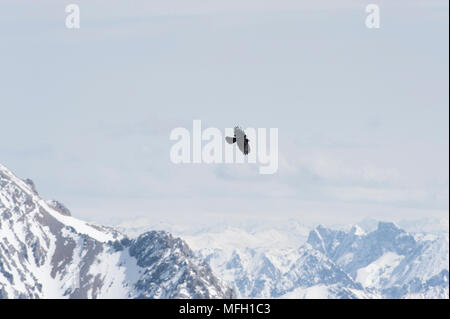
(241,138)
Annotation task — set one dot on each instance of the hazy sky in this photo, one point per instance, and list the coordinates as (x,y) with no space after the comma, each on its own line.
(362,114)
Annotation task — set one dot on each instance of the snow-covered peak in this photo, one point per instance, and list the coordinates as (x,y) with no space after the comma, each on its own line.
(356,230)
(15,192)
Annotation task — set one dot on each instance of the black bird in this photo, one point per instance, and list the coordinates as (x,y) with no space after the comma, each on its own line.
(241,139)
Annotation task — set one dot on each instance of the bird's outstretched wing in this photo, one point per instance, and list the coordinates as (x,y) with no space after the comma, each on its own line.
(230,140)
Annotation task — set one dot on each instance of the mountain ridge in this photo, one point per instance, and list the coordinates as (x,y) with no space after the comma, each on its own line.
(46,253)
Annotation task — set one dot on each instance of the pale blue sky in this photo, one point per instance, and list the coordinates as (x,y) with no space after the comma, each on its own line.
(362,114)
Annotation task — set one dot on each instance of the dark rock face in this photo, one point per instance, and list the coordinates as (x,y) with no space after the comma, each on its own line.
(176,272)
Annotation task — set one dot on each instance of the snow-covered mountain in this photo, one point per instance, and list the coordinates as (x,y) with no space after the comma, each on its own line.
(389,261)
(385,263)
(47,253)
(285,259)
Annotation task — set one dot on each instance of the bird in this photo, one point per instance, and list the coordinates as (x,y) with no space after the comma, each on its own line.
(241,138)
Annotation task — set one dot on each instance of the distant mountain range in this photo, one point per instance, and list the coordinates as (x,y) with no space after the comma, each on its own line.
(387,262)
(47,253)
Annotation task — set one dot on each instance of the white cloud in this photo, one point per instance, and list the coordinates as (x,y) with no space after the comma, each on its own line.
(383,195)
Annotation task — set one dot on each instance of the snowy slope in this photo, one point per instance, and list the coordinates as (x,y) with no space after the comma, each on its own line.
(46,253)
